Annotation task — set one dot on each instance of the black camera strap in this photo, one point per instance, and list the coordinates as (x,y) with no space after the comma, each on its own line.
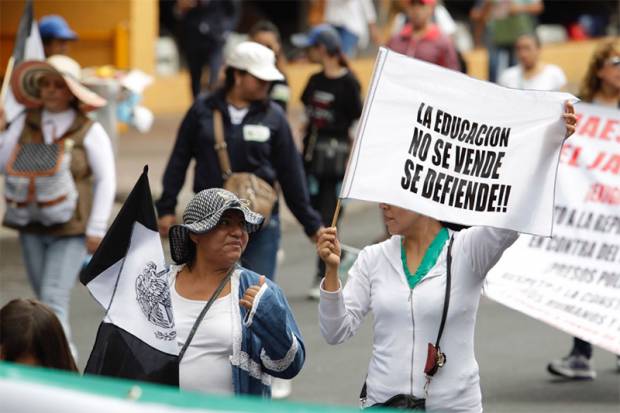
(446,300)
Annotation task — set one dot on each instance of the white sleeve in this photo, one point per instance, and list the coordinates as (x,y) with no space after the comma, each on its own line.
(484,246)
(560,78)
(341,312)
(101,161)
(9,138)
(504,79)
(369,11)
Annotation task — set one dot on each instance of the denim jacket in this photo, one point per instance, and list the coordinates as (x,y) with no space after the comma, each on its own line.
(266,341)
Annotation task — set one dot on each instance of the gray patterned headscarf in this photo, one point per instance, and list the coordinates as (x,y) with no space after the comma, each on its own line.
(202,214)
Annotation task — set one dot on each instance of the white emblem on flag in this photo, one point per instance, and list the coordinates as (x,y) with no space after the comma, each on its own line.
(153,296)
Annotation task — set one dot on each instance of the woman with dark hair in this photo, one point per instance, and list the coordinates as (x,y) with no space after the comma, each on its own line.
(30,333)
(600,86)
(235,328)
(266,33)
(333,104)
(405,281)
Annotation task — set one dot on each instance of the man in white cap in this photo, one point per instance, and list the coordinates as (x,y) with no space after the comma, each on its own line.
(258,139)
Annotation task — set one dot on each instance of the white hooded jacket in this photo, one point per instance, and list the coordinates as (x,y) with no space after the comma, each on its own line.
(406,320)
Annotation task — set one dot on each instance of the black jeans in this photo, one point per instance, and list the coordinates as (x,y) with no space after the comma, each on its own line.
(210,55)
(581,348)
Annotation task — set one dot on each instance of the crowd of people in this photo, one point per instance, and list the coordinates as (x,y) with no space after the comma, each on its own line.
(60,184)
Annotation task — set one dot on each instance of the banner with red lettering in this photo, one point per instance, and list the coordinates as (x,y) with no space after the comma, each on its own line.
(455,148)
(572,280)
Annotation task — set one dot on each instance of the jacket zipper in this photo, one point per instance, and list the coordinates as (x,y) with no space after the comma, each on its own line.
(412,339)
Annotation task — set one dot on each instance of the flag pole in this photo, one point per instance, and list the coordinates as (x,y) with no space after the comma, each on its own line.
(336,213)
(7,79)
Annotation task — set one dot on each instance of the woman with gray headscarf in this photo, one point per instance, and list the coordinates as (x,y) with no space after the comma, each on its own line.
(239,329)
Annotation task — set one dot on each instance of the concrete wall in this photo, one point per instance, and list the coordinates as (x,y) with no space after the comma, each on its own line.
(118,32)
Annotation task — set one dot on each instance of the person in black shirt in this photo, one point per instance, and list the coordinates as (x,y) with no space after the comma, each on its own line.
(204,26)
(333,104)
(258,139)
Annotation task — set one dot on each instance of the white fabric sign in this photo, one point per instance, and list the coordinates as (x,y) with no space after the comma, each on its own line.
(572,280)
(455,148)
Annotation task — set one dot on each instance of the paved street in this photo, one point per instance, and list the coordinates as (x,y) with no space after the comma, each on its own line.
(512,349)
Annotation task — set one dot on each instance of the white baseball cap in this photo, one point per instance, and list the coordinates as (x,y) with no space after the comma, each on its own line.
(255,59)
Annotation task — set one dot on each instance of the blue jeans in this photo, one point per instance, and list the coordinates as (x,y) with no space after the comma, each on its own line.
(261,253)
(348,41)
(53,264)
(500,59)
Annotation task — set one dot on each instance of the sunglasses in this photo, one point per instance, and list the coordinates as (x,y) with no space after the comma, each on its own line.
(613,61)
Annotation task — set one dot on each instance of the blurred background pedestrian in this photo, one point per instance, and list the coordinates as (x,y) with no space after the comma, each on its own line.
(355,21)
(70,161)
(500,23)
(532,72)
(266,33)
(56,35)
(204,27)
(332,104)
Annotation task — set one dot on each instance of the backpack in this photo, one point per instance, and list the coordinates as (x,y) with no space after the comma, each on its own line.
(39,185)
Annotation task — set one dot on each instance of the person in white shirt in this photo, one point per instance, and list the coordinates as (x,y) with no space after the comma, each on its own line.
(355,21)
(54,244)
(403,282)
(532,73)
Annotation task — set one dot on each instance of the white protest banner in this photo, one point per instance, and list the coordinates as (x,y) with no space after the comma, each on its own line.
(455,148)
(572,280)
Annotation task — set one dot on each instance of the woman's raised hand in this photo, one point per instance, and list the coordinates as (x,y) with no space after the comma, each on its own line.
(247,300)
(328,247)
(570,120)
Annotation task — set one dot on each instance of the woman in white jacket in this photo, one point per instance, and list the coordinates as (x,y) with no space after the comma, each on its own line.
(403,281)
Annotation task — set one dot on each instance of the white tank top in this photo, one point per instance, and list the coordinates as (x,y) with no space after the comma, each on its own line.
(205,367)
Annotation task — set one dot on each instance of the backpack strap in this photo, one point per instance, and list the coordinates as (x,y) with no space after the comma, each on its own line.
(220,144)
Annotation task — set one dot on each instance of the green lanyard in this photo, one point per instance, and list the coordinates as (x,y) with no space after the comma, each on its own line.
(429,259)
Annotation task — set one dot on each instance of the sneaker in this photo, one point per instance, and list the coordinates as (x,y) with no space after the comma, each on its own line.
(280,256)
(576,367)
(314,293)
(281,388)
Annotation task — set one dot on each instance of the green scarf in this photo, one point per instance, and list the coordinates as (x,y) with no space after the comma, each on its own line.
(429,259)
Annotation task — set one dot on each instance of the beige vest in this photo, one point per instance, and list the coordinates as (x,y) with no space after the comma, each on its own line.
(79,169)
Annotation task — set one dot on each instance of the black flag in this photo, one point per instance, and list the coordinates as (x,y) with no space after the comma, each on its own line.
(137,338)
(23,32)
(28,46)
